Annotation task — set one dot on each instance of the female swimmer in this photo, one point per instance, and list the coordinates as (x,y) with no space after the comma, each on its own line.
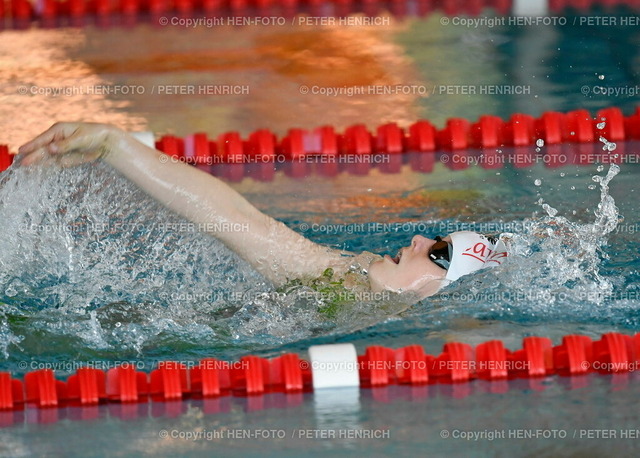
(277,252)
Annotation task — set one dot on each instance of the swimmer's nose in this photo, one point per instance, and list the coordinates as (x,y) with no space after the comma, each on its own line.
(420,243)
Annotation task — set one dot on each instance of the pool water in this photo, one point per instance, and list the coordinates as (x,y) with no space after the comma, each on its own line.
(91,270)
(566,414)
(146,286)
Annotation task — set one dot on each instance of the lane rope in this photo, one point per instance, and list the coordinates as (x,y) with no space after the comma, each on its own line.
(575,137)
(328,366)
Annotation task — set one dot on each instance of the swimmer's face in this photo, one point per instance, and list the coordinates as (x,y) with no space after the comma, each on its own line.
(411,270)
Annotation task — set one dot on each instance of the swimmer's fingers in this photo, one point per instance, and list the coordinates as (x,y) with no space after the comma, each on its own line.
(56,132)
(45,143)
(70,143)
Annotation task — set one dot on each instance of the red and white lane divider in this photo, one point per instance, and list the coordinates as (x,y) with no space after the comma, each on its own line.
(328,366)
(578,130)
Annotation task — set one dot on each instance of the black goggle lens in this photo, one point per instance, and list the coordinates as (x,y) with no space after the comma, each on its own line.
(441,253)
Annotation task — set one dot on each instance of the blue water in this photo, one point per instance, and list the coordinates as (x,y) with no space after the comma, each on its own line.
(129,283)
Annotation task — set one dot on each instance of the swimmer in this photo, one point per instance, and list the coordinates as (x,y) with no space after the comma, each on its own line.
(277,252)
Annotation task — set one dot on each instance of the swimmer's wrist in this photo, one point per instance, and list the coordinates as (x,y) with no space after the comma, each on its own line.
(116,142)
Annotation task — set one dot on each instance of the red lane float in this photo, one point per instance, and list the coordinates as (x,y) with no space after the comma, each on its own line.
(535,358)
(87,386)
(171,146)
(208,379)
(169,382)
(251,376)
(197,149)
(43,390)
(574,355)
(549,127)
(422,137)
(125,384)
(11,392)
(455,364)
(487,132)
(6,159)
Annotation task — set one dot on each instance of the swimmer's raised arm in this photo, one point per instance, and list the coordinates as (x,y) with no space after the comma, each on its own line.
(276,251)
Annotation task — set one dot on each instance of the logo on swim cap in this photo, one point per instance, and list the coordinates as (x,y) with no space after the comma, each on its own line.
(473,251)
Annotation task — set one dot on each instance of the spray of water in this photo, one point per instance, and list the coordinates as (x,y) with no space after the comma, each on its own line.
(553,270)
(558,259)
(85,254)
(89,262)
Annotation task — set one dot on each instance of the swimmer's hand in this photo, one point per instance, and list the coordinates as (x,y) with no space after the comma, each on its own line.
(70,144)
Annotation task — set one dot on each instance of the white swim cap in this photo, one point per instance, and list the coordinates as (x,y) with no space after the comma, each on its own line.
(473,251)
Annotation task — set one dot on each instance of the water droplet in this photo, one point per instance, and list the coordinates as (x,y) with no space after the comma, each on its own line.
(537,150)
(11,291)
(540,142)
(601,125)
(592,186)
(600,168)
(572,133)
(562,174)
(601,77)
(550,210)
(537,182)
(118,324)
(498,173)
(573,188)
(611,146)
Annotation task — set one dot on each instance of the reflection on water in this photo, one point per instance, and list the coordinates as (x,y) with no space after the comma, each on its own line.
(37,61)
(273,63)
(337,409)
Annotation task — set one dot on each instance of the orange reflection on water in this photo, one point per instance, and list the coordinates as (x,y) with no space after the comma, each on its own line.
(62,68)
(41,84)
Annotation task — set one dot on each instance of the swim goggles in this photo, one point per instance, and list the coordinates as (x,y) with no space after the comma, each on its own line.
(441,253)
